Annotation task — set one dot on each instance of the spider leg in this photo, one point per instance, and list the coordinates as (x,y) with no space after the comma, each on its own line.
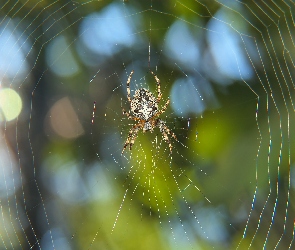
(128,86)
(165,132)
(129,116)
(126,113)
(159,86)
(163,109)
(132,136)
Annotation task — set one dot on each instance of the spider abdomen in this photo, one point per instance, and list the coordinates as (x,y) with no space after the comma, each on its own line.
(144,105)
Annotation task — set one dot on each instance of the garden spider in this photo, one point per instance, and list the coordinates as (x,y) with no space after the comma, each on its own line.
(144,109)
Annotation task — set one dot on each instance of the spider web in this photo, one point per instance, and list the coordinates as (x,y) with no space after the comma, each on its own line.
(227,68)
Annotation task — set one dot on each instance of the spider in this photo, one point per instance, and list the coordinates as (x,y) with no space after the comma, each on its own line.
(144,108)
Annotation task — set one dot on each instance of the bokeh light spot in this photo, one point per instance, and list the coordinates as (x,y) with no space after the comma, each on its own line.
(64,120)
(10,104)
(60,58)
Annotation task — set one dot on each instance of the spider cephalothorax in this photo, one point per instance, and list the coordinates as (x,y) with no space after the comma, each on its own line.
(144,108)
